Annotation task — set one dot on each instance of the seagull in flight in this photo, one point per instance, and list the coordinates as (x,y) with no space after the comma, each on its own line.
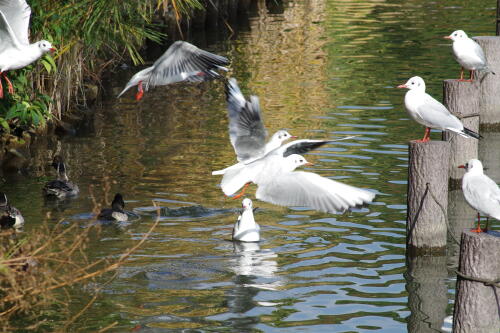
(181,62)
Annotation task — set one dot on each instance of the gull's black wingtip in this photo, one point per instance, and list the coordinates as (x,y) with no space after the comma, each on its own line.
(471,133)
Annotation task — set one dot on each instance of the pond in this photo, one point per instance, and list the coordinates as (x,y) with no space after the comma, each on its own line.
(322,69)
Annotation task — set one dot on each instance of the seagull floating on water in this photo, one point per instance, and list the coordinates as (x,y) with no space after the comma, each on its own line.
(247,132)
(61,187)
(181,62)
(426,110)
(15,48)
(246,229)
(481,192)
(10,217)
(468,54)
(116,211)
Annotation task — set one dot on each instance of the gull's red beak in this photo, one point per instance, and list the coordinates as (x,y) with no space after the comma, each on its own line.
(461,166)
(309,164)
(402,86)
(52,49)
(293,137)
(447,37)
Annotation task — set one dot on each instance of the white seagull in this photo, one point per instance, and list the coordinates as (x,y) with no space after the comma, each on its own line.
(246,229)
(481,192)
(426,110)
(247,132)
(468,54)
(15,48)
(181,62)
(279,183)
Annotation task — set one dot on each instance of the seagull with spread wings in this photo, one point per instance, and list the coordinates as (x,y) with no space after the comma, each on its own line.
(274,171)
(181,62)
(15,48)
(247,132)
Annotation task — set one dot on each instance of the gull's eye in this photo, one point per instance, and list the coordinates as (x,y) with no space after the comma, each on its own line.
(455,35)
(413,83)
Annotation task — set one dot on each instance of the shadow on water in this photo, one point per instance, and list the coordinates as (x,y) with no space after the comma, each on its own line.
(322,69)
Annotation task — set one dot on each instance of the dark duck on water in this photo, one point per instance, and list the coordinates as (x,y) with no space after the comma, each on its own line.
(116,211)
(61,187)
(10,217)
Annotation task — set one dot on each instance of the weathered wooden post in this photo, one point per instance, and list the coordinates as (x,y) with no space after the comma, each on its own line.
(462,99)
(490,85)
(427,293)
(460,216)
(476,304)
(428,174)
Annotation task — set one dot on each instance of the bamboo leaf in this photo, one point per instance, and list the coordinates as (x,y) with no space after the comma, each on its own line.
(46,64)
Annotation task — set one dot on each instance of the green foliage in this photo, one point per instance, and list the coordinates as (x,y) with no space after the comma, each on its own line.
(89,36)
(180,7)
(105,28)
(24,108)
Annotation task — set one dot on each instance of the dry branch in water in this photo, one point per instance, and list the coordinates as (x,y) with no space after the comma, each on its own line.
(37,270)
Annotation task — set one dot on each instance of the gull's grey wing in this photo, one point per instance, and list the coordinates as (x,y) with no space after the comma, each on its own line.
(482,193)
(304,145)
(184,61)
(246,128)
(7,38)
(17,15)
(138,77)
(436,115)
(478,50)
(308,189)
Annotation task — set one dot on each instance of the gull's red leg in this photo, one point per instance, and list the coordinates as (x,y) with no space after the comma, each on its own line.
(242,192)
(461,74)
(9,84)
(478,229)
(471,76)
(427,135)
(140,91)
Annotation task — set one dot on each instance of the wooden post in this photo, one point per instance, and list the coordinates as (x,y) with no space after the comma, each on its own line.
(427,292)
(490,85)
(476,307)
(462,99)
(460,216)
(425,222)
